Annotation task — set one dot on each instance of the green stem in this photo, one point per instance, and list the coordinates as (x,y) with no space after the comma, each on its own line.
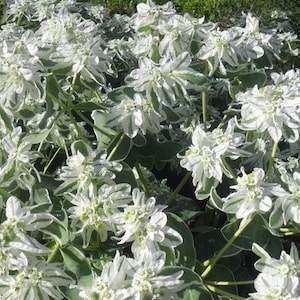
(20,19)
(54,253)
(87,121)
(113,151)
(50,161)
(178,188)
(271,161)
(204,108)
(229,283)
(226,247)
(224,293)
(69,112)
(142,179)
(4,193)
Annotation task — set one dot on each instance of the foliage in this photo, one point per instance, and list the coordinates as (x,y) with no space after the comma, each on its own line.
(224,11)
(152,156)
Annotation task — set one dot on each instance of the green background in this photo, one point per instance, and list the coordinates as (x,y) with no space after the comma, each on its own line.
(224,11)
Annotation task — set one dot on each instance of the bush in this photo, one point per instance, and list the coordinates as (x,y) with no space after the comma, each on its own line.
(224,11)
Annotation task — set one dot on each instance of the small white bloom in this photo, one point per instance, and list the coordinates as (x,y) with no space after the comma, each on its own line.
(135,115)
(251,195)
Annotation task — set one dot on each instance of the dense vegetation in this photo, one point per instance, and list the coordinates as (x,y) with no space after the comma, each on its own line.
(218,10)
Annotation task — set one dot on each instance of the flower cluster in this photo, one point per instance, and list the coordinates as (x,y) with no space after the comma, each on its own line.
(96,110)
(278,278)
(273,108)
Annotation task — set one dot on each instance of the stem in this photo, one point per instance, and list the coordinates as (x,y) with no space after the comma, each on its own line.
(178,188)
(87,121)
(204,108)
(271,162)
(4,193)
(69,112)
(54,253)
(50,161)
(226,247)
(142,179)
(229,283)
(224,293)
(113,151)
(20,19)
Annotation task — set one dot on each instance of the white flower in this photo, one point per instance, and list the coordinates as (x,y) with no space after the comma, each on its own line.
(112,283)
(286,207)
(144,224)
(135,115)
(274,108)
(82,170)
(95,211)
(251,195)
(147,281)
(204,159)
(218,47)
(35,280)
(279,278)
(20,220)
(165,82)
(149,15)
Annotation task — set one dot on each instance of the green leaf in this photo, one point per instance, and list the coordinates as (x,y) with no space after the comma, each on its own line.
(191,76)
(251,79)
(38,137)
(82,147)
(184,207)
(103,134)
(86,106)
(120,147)
(76,262)
(126,175)
(6,119)
(254,232)
(58,229)
(211,242)
(186,254)
(222,273)
(208,184)
(215,200)
(167,151)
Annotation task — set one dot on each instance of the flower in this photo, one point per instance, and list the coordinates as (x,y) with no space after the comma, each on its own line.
(252,194)
(274,108)
(36,279)
(167,81)
(113,281)
(81,170)
(144,224)
(95,211)
(286,207)
(20,220)
(204,160)
(135,115)
(147,282)
(279,278)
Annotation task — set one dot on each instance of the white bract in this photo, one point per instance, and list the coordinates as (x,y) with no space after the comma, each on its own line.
(35,280)
(165,82)
(135,115)
(144,224)
(279,278)
(251,195)
(273,108)
(286,208)
(205,157)
(96,210)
